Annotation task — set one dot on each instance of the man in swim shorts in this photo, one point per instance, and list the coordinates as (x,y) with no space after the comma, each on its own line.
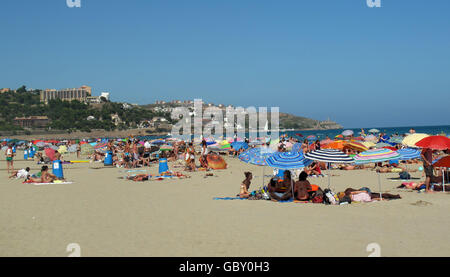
(427,157)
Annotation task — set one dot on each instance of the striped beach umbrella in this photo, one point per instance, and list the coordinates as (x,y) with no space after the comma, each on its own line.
(329,156)
(371,138)
(356,146)
(288,160)
(238,145)
(101,147)
(408,154)
(375,156)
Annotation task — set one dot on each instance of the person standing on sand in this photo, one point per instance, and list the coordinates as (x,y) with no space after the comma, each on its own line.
(9,159)
(427,157)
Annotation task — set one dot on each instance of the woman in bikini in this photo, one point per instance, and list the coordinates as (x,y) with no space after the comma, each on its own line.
(245,186)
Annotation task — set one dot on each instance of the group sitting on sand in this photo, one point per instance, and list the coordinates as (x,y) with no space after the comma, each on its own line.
(285,189)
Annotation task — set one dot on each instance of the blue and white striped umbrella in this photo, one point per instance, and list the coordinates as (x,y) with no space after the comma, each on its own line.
(237,145)
(288,160)
(329,156)
(408,154)
(256,155)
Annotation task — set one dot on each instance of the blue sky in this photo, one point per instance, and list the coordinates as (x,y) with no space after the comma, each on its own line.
(360,66)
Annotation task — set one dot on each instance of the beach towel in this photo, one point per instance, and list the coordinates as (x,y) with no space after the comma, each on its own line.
(229,198)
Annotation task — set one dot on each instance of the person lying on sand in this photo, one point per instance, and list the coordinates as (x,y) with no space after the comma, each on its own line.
(46,177)
(139,177)
(245,186)
(23,173)
(365,195)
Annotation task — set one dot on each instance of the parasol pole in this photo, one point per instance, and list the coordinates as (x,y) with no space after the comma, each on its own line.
(379,186)
(443,180)
(329,175)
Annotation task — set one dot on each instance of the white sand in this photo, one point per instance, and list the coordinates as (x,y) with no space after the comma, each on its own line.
(108,216)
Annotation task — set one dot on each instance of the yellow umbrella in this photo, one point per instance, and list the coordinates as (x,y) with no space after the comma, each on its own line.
(368,144)
(412,139)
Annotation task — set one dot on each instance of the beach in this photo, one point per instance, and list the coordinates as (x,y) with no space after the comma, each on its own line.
(108,216)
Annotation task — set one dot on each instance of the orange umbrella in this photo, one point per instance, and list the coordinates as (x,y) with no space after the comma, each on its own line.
(216,162)
(338,144)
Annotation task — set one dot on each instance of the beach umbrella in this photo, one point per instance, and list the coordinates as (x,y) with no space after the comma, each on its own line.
(311,137)
(238,145)
(337,144)
(288,161)
(358,138)
(54,147)
(374,131)
(101,147)
(444,163)
(368,144)
(356,146)
(347,133)
(87,149)
(40,144)
(434,143)
(412,139)
(72,148)
(326,141)
(166,147)
(371,138)
(376,156)
(382,144)
(50,153)
(216,162)
(296,147)
(257,156)
(329,156)
(158,142)
(396,140)
(408,154)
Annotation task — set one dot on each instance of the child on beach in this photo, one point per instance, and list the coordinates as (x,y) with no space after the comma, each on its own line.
(245,186)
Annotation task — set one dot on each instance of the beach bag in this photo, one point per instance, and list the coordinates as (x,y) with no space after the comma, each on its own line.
(318,199)
(329,197)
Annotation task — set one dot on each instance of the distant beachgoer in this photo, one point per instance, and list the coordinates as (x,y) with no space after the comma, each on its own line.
(427,157)
(245,186)
(9,159)
(46,177)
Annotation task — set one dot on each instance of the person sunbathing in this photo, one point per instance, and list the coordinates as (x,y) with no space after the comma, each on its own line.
(245,186)
(365,195)
(301,187)
(46,177)
(139,177)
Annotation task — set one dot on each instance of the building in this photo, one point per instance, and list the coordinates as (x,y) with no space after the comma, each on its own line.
(32,121)
(69,94)
(3,90)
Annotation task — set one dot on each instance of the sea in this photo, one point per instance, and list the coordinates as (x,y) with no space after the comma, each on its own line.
(322,134)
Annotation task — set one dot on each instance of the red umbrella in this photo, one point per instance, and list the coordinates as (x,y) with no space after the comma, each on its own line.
(434,143)
(443,162)
(300,135)
(50,153)
(390,148)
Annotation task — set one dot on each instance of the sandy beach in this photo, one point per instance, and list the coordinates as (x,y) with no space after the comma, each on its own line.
(108,216)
